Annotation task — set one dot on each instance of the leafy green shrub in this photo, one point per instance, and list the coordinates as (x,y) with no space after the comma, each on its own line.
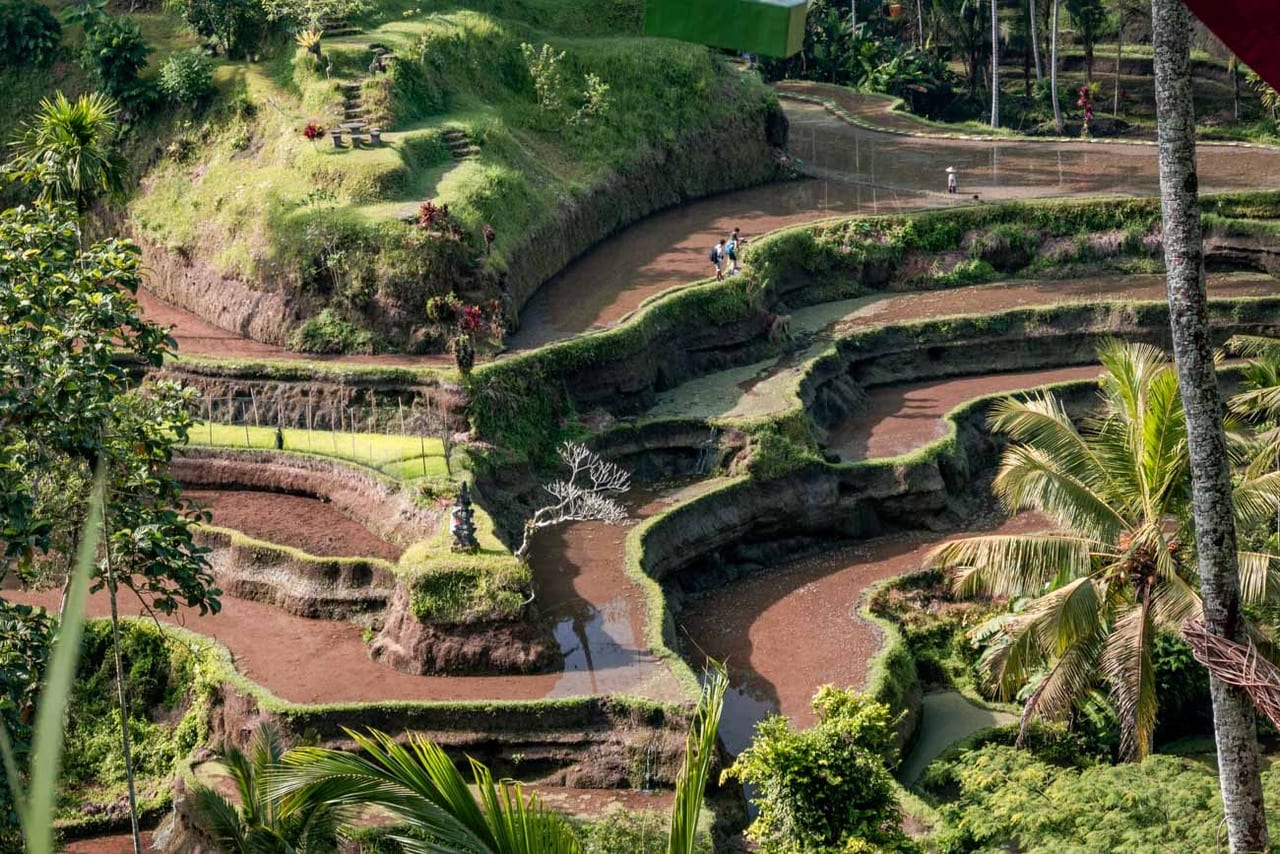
(237,27)
(623,831)
(828,786)
(1008,800)
(330,332)
(187,77)
(115,52)
(29,34)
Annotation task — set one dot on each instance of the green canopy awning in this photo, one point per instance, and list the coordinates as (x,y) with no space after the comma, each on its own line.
(767,27)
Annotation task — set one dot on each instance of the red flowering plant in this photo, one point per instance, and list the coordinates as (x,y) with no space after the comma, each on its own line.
(1085,101)
(464,325)
(312,132)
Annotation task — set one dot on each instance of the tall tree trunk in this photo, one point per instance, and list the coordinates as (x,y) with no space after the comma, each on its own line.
(1088,62)
(1233,716)
(1026,74)
(1035,41)
(995,65)
(1053,68)
(1234,67)
(1115,100)
(920,21)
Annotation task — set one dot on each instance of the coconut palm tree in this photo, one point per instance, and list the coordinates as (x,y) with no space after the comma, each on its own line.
(1223,583)
(1118,565)
(69,148)
(262,823)
(419,783)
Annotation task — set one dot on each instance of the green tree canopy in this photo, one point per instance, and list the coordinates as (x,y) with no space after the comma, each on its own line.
(72,350)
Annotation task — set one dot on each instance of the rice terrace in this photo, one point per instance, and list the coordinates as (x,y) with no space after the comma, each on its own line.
(627,426)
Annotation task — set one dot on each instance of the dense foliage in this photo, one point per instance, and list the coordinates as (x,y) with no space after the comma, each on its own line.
(30,35)
(998,798)
(72,340)
(186,77)
(116,52)
(828,786)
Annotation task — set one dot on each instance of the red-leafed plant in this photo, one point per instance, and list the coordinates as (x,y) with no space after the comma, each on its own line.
(312,132)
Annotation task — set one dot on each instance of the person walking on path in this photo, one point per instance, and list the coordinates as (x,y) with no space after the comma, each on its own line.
(731,250)
(717,259)
(952,185)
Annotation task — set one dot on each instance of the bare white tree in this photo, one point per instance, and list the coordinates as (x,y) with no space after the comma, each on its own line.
(585,495)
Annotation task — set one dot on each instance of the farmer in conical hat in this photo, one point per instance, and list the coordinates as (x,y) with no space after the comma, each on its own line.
(951,180)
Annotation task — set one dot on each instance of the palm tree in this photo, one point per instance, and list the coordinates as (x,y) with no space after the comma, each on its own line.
(995,65)
(263,823)
(419,783)
(69,147)
(1223,584)
(1053,67)
(1118,566)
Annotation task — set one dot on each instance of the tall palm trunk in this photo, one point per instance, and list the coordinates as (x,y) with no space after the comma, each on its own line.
(1053,68)
(1035,39)
(1233,716)
(995,65)
(1115,98)
(920,21)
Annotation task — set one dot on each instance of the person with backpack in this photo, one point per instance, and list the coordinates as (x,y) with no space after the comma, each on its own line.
(717,259)
(731,251)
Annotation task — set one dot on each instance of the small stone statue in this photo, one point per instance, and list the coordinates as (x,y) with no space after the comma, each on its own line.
(461,525)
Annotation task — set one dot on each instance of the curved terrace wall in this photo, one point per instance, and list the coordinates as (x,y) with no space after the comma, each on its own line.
(711,326)
(754,522)
(686,168)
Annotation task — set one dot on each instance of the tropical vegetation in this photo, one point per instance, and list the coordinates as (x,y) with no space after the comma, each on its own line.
(1117,564)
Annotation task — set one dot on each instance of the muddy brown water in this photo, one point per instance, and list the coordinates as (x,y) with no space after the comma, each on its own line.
(786,632)
(583,587)
(305,523)
(900,418)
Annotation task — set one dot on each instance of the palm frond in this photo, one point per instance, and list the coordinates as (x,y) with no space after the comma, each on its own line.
(1069,679)
(218,818)
(1031,478)
(418,783)
(1259,577)
(699,751)
(1012,565)
(1256,499)
(1127,666)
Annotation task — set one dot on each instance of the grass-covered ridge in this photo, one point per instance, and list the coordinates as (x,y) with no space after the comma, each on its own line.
(248,196)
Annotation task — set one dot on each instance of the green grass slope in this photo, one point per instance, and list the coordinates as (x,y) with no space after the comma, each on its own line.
(242,197)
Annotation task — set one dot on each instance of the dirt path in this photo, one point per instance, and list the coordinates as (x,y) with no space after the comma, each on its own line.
(599,615)
(858,171)
(302,522)
(769,386)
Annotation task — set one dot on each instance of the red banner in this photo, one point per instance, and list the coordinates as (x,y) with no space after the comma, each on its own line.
(1251,28)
